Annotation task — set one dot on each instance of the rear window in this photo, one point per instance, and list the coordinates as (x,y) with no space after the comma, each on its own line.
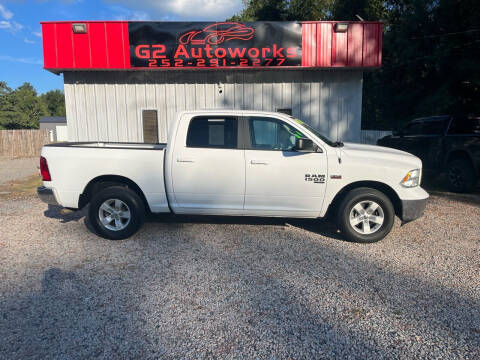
(465,125)
(213,132)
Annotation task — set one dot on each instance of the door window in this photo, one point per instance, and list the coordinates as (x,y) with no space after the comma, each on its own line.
(272,134)
(415,128)
(208,132)
(434,127)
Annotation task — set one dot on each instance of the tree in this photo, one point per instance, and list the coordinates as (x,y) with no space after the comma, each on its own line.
(265,10)
(430,56)
(5,104)
(28,107)
(372,10)
(20,108)
(304,10)
(431,50)
(55,102)
(281,10)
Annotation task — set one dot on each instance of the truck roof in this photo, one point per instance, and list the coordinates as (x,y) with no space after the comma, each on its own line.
(234,111)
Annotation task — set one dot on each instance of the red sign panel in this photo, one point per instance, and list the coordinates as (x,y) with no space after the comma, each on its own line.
(122,45)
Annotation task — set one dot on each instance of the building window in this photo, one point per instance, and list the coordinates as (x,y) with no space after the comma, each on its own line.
(207,132)
(150,126)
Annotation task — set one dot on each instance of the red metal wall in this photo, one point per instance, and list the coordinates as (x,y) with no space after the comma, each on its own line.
(360,46)
(106,45)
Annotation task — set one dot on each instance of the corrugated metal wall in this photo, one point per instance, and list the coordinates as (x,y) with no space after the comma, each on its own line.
(107,106)
(371,136)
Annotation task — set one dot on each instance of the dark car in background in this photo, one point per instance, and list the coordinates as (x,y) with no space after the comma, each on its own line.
(449,144)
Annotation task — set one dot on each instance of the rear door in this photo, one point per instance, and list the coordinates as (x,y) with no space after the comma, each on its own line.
(208,168)
(279,180)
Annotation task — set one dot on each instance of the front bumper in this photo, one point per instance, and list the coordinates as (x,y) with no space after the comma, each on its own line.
(46,195)
(412,209)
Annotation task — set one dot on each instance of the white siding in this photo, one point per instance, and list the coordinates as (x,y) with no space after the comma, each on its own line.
(107,106)
(371,136)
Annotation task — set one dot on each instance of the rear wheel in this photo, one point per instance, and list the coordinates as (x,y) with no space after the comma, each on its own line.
(365,215)
(460,176)
(116,212)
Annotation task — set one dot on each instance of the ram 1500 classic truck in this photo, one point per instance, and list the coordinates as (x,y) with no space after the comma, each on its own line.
(234,162)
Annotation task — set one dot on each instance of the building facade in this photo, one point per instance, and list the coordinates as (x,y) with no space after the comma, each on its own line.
(122,82)
(56,125)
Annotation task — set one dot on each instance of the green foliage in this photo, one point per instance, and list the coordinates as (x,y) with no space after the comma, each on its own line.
(268,10)
(22,108)
(55,102)
(282,10)
(431,52)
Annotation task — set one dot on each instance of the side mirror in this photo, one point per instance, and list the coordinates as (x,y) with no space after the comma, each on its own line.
(304,145)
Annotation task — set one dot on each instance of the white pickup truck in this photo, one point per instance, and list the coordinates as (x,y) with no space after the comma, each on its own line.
(234,162)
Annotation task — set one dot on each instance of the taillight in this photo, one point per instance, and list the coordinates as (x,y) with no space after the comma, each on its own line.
(44,169)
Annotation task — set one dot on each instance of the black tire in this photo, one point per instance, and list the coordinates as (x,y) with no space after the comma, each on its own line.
(135,206)
(460,176)
(364,194)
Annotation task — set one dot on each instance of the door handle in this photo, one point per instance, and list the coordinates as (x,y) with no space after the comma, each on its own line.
(259,162)
(184,160)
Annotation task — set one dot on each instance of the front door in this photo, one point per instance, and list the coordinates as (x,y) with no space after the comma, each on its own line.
(208,173)
(279,180)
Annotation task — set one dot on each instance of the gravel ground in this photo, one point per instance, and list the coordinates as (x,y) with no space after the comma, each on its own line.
(17,168)
(195,288)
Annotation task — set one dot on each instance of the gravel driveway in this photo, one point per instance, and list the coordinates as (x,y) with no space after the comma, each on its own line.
(199,288)
(17,168)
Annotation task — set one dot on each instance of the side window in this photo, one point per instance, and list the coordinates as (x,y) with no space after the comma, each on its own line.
(212,132)
(272,134)
(463,125)
(415,128)
(434,127)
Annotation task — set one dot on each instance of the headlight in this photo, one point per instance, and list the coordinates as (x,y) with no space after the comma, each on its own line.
(412,178)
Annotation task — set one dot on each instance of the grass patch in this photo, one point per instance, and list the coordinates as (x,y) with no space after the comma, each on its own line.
(21,188)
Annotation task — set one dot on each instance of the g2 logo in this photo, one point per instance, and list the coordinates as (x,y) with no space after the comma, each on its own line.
(150,51)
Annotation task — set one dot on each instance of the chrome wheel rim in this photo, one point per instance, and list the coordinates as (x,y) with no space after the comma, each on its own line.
(114,214)
(366,217)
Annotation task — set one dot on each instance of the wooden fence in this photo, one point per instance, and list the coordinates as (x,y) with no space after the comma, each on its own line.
(22,143)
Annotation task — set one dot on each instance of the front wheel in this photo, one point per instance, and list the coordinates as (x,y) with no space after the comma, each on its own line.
(365,215)
(461,176)
(116,212)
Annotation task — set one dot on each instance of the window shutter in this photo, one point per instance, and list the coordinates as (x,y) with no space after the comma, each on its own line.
(150,126)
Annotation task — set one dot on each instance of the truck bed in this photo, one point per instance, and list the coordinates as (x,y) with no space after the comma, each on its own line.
(73,165)
(111,145)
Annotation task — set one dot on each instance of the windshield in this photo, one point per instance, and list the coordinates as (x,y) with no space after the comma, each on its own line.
(315,132)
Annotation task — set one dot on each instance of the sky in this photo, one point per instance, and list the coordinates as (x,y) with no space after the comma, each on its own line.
(21,52)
